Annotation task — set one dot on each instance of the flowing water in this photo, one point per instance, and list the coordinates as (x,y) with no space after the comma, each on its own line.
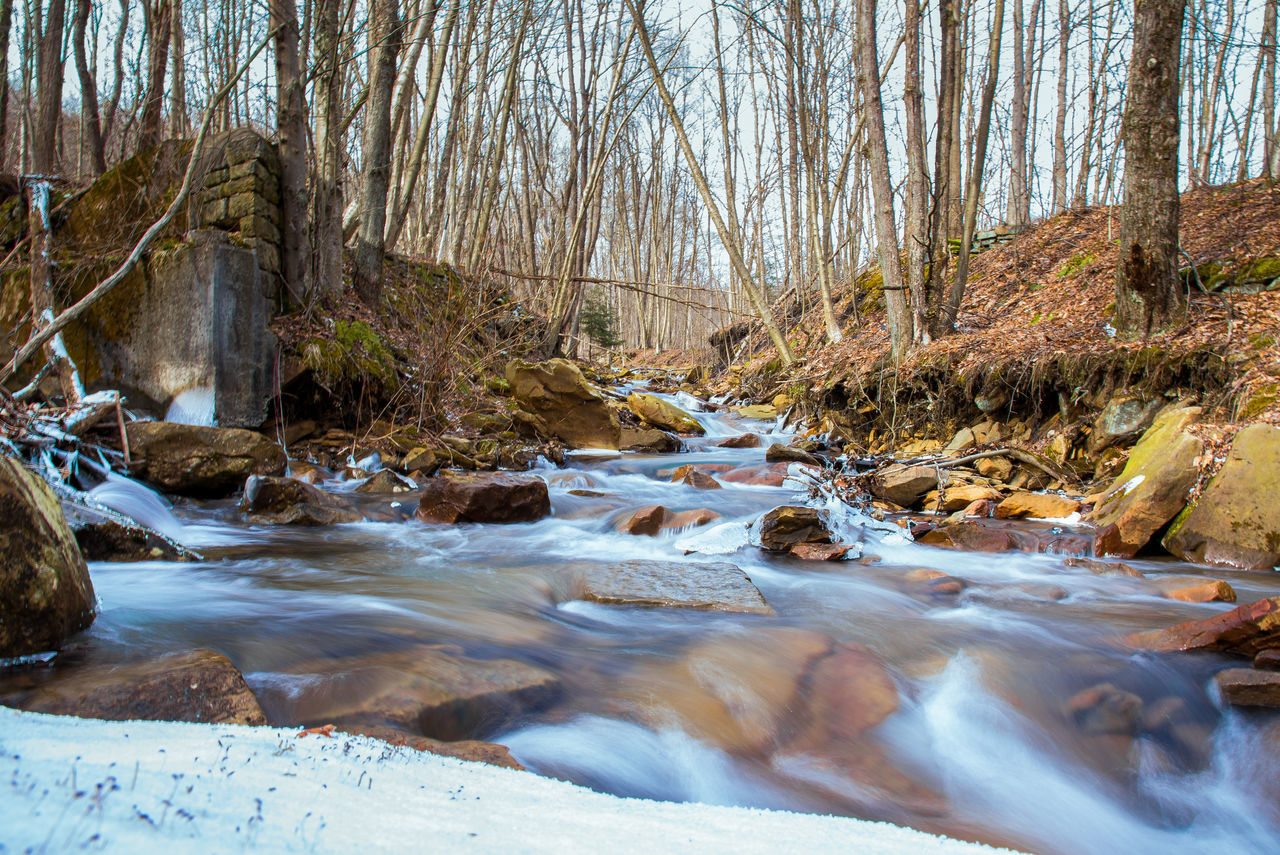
(986,741)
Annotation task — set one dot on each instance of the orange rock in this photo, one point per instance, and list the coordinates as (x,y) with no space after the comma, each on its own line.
(1036,505)
(1244,631)
(969,537)
(695,478)
(648,520)
(687,519)
(821,551)
(1203,591)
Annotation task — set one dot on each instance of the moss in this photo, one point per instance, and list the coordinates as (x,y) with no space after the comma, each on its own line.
(354,353)
(1258,401)
(1075,264)
(1262,270)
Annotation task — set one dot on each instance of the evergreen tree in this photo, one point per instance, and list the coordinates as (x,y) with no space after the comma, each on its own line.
(599,322)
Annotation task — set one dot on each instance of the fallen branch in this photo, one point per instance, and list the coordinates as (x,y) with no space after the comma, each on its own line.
(1021,455)
(38,339)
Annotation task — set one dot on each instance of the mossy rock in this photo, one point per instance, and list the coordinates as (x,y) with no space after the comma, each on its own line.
(1258,401)
(1262,270)
(354,353)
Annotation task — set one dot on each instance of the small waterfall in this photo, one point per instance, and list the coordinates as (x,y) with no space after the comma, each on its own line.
(195,406)
(141,504)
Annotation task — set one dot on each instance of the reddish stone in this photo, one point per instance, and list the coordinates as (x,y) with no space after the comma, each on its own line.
(969,537)
(1244,631)
(648,520)
(695,478)
(472,750)
(764,475)
(821,551)
(686,519)
(454,497)
(746,440)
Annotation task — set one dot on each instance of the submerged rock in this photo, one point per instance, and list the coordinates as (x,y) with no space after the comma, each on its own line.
(558,402)
(785,526)
(714,586)
(1247,687)
(1153,487)
(662,414)
(201,685)
(45,591)
(746,440)
(201,461)
(1244,631)
(453,497)
(271,500)
(969,537)
(1236,520)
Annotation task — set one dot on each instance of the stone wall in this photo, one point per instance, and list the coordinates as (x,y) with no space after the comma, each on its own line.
(242,197)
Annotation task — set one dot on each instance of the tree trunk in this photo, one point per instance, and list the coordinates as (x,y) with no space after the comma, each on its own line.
(326,218)
(159,30)
(1270,151)
(384,37)
(291,126)
(917,214)
(49,90)
(1015,214)
(1148,298)
(943,189)
(88,92)
(1060,122)
(6,25)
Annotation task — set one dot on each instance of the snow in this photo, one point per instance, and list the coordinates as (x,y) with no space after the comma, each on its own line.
(146,786)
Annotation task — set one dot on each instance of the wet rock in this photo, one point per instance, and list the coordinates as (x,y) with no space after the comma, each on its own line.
(1267,660)
(746,440)
(779,453)
(423,690)
(558,402)
(662,414)
(979,508)
(1153,487)
(694,477)
(110,541)
(969,537)
(1037,506)
(690,518)
(650,439)
(454,497)
(45,591)
(714,586)
(757,411)
(767,475)
(646,521)
(904,486)
(958,498)
(471,750)
(1247,687)
(1192,590)
(1103,568)
(996,468)
(386,481)
(785,526)
(1124,417)
(308,473)
(935,581)
(423,460)
(1236,520)
(1243,631)
(822,551)
(1105,709)
(272,500)
(201,685)
(201,461)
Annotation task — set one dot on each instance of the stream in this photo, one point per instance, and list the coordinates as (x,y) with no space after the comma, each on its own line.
(989,740)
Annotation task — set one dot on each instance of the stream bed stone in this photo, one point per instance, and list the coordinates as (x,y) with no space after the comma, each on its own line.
(715,586)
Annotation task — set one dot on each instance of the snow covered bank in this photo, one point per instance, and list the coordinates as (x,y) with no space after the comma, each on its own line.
(145,786)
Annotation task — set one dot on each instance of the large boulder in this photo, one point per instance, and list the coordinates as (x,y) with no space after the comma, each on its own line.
(557,401)
(192,460)
(1244,631)
(788,525)
(453,497)
(275,500)
(1153,487)
(1236,520)
(715,586)
(661,414)
(197,686)
(45,592)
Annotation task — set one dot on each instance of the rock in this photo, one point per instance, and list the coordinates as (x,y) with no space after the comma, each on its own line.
(1059,449)
(201,685)
(662,414)
(559,402)
(1124,417)
(904,486)
(765,475)
(453,497)
(1267,660)
(714,586)
(979,508)
(779,453)
(746,440)
(424,460)
(996,468)
(648,521)
(785,526)
(1246,687)
(695,478)
(1236,520)
(471,750)
(757,411)
(969,537)
(1103,568)
(958,498)
(1189,589)
(423,690)
(1110,464)
(962,440)
(110,541)
(1045,506)
(1153,487)
(690,519)
(821,551)
(385,481)
(650,439)
(272,500)
(935,581)
(1243,631)
(201,461)
(1105,709)
(45,591)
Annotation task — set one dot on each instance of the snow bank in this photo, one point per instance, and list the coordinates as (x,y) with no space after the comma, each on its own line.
(148,786)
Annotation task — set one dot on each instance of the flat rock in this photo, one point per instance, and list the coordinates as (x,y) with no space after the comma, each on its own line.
(1248,687)
(1036,505)
(1236,520)
(192,460)
(694,477)
(904,486)
(385,481)
(1153,487)
(558,402)
(1189,589)
(958,498)
(45,590)
(746,440)
(649,439)
(1245,631)
(821,551)
(969,537)
(275,500)
(201,685)
(471,750)
(757,411)
(662,414)
(455,497)
(779,453)
(714,586)
(785,526)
